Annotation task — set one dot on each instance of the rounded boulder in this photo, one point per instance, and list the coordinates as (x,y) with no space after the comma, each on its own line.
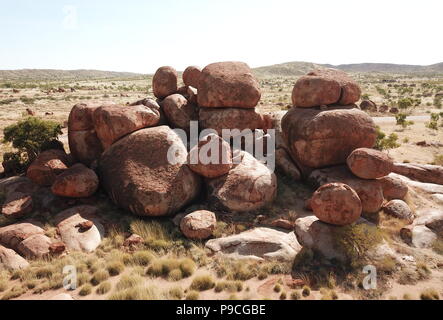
(164,82)
(337,204)
(368,163)
(198,225)
(76,182)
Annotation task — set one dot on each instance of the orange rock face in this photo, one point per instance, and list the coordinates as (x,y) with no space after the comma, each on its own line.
(201,159)
(164,82)
(179,111)
(228,84)
(76,182)
(317,138)
(324,87)
(112,122)
(191,76)
(48,165)
(368,163)
(336,203)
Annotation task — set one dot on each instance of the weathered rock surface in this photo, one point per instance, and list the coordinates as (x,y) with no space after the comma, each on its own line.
(249,185)
(285,164)
(179,111)
(191,76)
(211,158)
(84,144)
(138,176)
(316,138)
(393,187)
(322,237)
(164,82)
(336,203)
(425,229)
(198,225)
(112,122)
(229,118)
(228,84)
(75,238)
(370,192)
(76,182)
(398,209)
(422,172)
(9,259)
(35,246)
(368,163)
(324,87)
(12,235)
(17,205)
(259,244)
(47,166)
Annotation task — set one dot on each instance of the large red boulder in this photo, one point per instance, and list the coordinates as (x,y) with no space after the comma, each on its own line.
(47,166)
(111,122)
(179,111)
(84,144)
(191,76)
(249,185)
(77,182)
(319,138)
(368,163)
(336,203)
(228,84)
(164,82)
(205,162)
(145,172)
(229,118)
(370,192)
(325,87)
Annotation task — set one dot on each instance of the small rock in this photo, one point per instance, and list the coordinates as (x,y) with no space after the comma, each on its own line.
(17,205)
(399,209)
(9,259)
(57,248)
(84,226)
(133,240)
(198,225)
(368,163)
(283,223)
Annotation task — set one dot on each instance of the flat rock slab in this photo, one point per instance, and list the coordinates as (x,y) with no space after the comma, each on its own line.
(36,246)
(11,260)
(12,235)
(75,238)
(257,244)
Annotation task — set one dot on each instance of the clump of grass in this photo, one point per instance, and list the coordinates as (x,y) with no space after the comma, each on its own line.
(229,286)
(142,258)
(14,292)
(306,291)
(437,246)
(85,290)
(355,240)
(128,281)
(115,268)
(295,295)
(99,276)
(202,283)
(156,235)
(176,293)
(283,296)
(174,269)
(277,288)
(192,295)
(429,294)
(423,271)
(138,292)
(104,288)
(328,294)
(407,296)
(44,272)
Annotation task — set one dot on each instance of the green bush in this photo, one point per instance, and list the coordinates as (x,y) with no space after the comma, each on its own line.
(385,143)
(29,136)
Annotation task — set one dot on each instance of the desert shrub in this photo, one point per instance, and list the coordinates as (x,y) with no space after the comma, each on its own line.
(306,291)
(175,275)
(142,258)
(433,124)
(401,120)
(115,268)
(429,294)
(283,296)
(405,103)
(15,162)
(355,240)
(99,276)
(175,293)
(295,295)
(407,296)
(85,290)
(175,269)
(229,286)
(202,283)
(28,136)
(385,143)
(437,246)
(193,295)
(14,292)
(156,235)
(104,288)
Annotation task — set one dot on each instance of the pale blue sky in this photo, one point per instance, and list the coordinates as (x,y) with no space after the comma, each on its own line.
(139,36)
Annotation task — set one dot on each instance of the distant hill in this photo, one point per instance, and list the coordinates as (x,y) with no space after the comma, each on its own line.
(54,75)
(300,68)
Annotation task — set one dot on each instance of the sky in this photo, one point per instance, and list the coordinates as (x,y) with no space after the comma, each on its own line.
(140,36)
